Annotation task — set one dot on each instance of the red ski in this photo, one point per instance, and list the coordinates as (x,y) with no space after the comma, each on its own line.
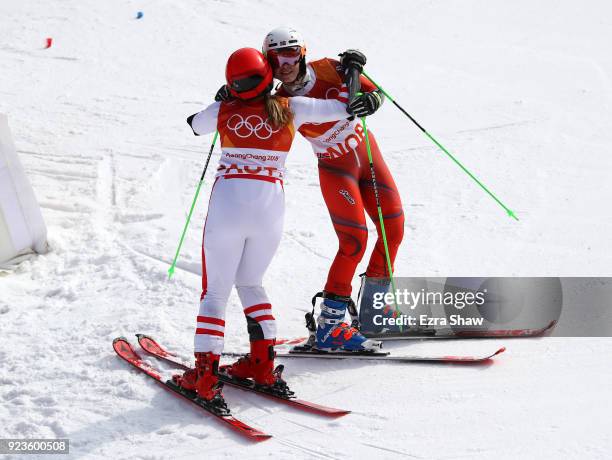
(125,351)
(290,341)
(309,352)
(149,345)
(509,332)
(306,350)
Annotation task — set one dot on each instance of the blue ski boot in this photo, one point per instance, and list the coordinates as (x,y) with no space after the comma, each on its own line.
(333,333)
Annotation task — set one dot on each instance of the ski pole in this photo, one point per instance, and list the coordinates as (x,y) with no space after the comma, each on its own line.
(354,86)
(508,211)
(380,214)
(195,198)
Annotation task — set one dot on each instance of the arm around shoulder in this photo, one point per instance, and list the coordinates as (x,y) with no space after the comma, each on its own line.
(311,110)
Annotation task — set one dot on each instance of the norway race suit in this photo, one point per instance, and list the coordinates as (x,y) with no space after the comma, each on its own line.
(346,181)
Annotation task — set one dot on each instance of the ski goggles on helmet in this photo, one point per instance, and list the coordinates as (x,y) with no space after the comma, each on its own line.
(289,55)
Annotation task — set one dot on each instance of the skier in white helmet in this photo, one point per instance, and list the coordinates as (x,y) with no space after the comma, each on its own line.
(344,176)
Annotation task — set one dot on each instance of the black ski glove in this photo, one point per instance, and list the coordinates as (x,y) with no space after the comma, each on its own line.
(223,94)
(352,59)
(365,104)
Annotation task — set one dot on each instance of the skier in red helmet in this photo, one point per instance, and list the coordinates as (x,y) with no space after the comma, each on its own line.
(245,215)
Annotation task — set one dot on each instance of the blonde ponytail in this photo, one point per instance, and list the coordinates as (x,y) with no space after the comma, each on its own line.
(279,113)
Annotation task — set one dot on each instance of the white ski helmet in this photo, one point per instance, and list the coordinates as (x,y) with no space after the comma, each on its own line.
(283,37)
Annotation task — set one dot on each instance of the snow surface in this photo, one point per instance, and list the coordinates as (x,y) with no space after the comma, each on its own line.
(520,91)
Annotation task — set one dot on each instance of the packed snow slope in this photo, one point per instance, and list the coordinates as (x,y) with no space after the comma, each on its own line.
(520,92)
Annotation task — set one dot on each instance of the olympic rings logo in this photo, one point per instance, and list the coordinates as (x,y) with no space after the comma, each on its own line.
(253,124)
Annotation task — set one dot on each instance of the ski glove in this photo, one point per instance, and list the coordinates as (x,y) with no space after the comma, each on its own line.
(365,104)
(352,59)
(223,94)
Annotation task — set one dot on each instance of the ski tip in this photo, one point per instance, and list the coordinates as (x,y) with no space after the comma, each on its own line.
(261,437)
(501,350)
(252,433)
(119,339)
(490,358)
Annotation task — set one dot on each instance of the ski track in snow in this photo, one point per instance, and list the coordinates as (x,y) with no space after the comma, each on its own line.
(98,120)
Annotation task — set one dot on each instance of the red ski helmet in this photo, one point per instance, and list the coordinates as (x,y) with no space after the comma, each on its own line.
(248,73)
